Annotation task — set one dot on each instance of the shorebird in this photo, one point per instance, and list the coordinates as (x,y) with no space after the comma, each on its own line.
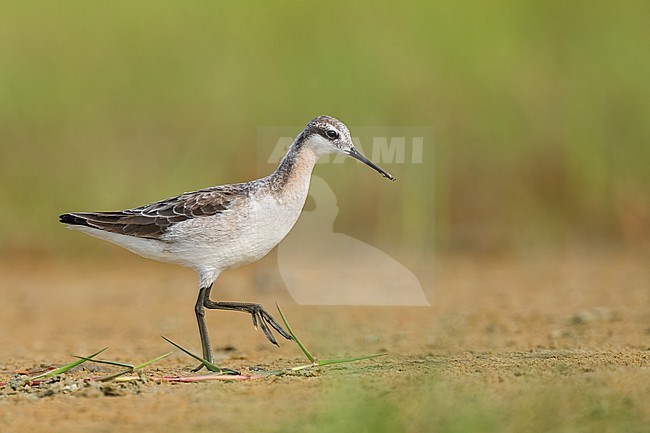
(226,226)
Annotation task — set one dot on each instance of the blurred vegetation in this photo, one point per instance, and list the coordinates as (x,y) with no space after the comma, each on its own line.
(540,111)
(448,405)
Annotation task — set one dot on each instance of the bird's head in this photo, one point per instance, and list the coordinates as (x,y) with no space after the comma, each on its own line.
(326,135)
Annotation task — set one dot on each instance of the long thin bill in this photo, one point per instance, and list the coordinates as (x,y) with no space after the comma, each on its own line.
(354,153)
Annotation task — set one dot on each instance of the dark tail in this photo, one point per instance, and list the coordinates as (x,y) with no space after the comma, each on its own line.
(72,219)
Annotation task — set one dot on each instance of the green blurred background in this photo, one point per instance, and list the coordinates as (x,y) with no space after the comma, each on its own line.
(541,112)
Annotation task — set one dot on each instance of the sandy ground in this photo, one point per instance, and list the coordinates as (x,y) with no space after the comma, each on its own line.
(549,342)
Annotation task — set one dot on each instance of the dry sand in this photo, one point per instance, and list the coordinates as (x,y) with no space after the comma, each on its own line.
(572,329)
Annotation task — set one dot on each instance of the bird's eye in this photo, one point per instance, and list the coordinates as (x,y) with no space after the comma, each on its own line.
(332,134)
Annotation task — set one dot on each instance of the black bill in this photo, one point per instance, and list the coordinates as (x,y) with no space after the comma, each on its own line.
(354,153)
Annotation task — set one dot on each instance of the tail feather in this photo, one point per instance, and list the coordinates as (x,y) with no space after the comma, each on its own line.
(124,223)
(72,219)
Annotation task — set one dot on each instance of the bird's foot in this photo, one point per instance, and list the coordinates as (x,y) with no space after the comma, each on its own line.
(262,318)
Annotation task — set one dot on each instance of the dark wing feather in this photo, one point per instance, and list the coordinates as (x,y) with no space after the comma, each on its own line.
(151,221)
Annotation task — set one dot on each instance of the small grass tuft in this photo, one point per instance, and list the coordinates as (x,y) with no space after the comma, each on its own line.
(66,367)
(312,359)
(128,367)
(210,366)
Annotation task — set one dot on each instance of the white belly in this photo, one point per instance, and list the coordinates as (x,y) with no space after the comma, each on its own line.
(240,235)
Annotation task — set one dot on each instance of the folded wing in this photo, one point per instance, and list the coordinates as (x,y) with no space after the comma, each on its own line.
(151,221)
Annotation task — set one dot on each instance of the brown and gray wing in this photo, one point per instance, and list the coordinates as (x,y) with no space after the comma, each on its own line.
(151,221)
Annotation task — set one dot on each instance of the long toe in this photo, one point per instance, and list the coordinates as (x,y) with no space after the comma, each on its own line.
(279,328)
(266,317)
(258,318)
(269,335)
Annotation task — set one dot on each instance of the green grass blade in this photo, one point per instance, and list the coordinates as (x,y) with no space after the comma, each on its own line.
(104,361)
(296,339)
(325,362)
(130,368)
(124,364)
(66,367)
(156,359)
(210,366)
(302,367)
(114,376)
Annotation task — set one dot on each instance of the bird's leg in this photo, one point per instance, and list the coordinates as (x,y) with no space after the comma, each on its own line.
(203,329)
(260,316)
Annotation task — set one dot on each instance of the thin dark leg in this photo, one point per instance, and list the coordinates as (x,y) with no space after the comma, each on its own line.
(203,329)
(259,314)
